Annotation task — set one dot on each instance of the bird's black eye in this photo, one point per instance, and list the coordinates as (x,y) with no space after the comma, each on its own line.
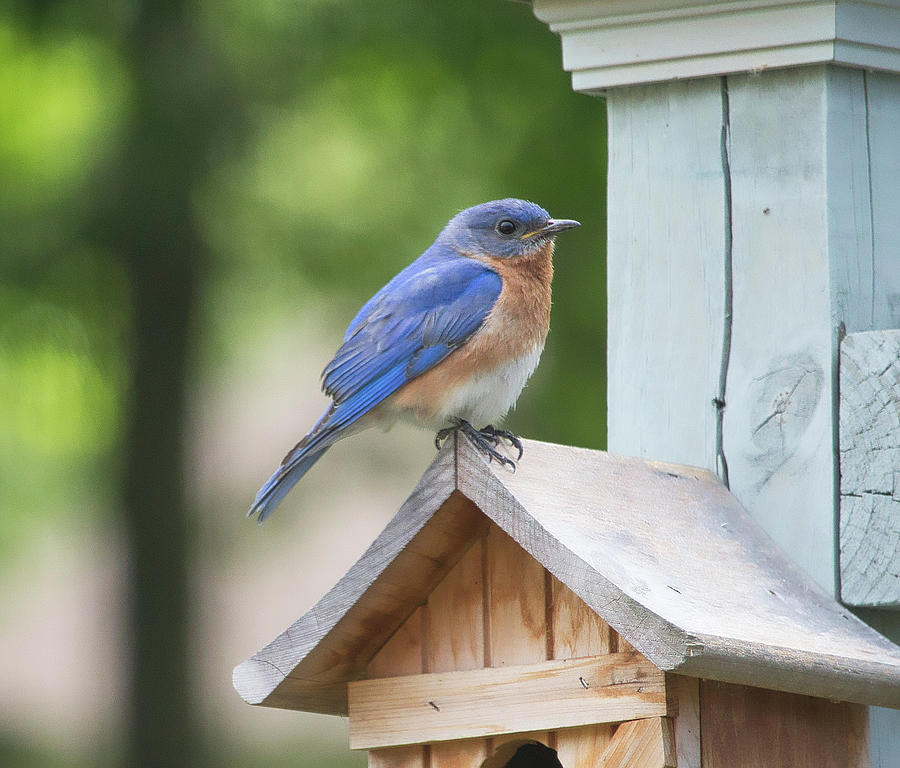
(506,227)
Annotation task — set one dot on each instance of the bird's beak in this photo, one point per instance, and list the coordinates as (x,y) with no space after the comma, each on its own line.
(553,227)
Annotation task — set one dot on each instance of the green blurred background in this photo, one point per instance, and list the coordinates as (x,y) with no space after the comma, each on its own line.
(195,198)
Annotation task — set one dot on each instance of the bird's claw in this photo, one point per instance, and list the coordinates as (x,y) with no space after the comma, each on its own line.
(503,434)
(485,440)
(443,434)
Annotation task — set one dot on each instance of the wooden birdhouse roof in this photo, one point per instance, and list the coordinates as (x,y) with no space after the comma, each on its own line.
(663,553)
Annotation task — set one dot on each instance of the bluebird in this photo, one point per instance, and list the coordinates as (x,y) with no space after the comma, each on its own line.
(448,343)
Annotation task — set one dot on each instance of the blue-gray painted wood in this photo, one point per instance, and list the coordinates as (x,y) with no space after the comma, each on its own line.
(778,418)
(665,270)
(806,185)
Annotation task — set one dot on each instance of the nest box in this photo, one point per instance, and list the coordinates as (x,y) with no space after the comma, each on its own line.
(618,611)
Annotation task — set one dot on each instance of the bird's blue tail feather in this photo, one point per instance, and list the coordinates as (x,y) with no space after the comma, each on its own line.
(284,478)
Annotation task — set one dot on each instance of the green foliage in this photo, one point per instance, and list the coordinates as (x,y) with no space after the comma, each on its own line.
(350,133)
(63,308)
(371,128)
(365,128)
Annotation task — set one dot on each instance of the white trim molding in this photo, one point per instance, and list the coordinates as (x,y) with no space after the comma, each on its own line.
(612,43)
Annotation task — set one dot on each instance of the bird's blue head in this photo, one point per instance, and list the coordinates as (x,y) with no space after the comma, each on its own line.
(503,228)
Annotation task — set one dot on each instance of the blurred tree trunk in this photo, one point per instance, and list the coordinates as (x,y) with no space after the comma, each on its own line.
(154,227)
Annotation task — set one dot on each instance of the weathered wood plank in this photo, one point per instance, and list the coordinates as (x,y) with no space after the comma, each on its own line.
(813,159)
(777,421)
(618,531)
(398,757)
(849,202)
(576,630)
(870,468)
(686,694)
(454,640)
(747,727)
(665,251)
(516,603)
(401,655)
(361,611)
(643,544)
(455,617)
(517,609)
(641,744)
(582,747)
(511,699)
(882,93)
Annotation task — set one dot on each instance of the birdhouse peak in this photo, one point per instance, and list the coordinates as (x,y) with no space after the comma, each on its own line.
(662,553)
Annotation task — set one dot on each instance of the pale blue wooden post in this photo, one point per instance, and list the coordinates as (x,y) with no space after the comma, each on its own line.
(754,180)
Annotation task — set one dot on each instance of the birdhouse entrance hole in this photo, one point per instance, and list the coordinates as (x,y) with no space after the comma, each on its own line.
(523,753)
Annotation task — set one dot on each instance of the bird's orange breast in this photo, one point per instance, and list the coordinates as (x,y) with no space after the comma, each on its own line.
(496,361)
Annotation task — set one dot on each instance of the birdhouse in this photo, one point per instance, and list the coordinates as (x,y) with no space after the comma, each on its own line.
(617,611)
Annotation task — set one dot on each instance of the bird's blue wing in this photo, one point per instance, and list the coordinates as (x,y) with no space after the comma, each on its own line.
(409,326)
(413,323)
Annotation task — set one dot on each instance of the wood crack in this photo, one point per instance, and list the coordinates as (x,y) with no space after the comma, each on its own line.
(871,198)
(719,400)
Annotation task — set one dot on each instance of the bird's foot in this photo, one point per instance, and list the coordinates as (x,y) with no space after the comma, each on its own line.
(443,434)
(485,440)
(503,434)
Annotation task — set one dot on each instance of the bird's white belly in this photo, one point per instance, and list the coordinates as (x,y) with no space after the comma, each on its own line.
(486,396)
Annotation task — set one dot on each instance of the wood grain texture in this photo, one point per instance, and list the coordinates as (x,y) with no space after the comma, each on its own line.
(875,144)
(665,240)
(778,418)
(643,544)
(398,757)
(747,727)
(575,631)
(882,98)
(582,747)
(856,295)
(641,744)
(298,670)
(870,468)
(813,157)
(500,700)
(455,617)
(685,692)
(400,655)
(813,161)
(470,753)
(516,609)
(454,630)
(518,630)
